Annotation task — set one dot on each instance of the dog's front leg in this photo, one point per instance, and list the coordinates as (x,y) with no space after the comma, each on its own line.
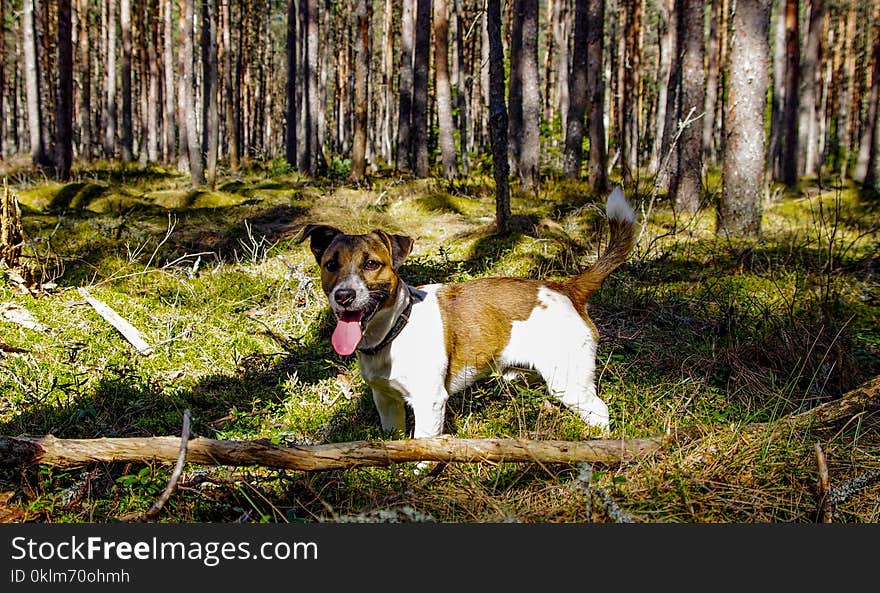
(429,411)
(391,410)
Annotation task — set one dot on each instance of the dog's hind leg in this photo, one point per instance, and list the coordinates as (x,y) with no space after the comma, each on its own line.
(573,384)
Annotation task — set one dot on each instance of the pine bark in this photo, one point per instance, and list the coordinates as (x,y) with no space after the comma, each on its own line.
(443,89)
(598,159)
(64,122)
(668,153)
(561,30)
(788,166)
(578,94)
(465,123)
(2,79)
(666,50)
(168,119)
(361,91)
(32,86)
(422,49)
(187,81)
(311,151)
(126,123)
(290,87)
(498,119)
(210,110)
(809,91)
(153,107)
(688,187)
(405,89)
(742,186)
(110,111)
(871,179)
(712,70)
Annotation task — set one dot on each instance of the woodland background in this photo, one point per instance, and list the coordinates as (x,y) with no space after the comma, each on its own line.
(665,88)
(162,156)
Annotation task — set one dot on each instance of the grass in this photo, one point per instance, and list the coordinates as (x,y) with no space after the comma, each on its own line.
(696,331)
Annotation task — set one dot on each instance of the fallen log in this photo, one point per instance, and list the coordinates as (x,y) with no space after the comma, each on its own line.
(48,450)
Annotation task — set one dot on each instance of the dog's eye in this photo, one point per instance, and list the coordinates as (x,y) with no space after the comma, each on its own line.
(372,265)
(331,266)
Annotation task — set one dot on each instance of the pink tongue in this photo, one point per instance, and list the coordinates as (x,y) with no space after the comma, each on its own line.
(347,334)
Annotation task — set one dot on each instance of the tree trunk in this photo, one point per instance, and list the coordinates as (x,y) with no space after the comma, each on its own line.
(871,179)
(2,80)
(230,75)
(774,146)
(515,86)
(561,29)
(578,94)
(667,56)
(668,153)
(110,82)
(809,93)
(421,164)
(153,107)
(742,186)
(168,121)
(462,90)
(290,88)
(64,125)
(845,123)
(187,81)
(712,48)
(443,89)
(790,138)
(386,139)
(311,151)
(690,145)
(361,91)
(210,112)
(598,160)
(126,124)
(405,89)
(32,86)
(84,96)
(498,124)
(531,97)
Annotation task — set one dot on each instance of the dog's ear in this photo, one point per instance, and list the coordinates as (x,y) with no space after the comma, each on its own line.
(321,235)
(398,246)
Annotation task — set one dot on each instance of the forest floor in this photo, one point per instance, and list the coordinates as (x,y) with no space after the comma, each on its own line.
(696,331)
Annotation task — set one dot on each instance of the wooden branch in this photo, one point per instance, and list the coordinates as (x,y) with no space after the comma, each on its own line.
(160,503)
(49,450)
(128,331)
(823,485)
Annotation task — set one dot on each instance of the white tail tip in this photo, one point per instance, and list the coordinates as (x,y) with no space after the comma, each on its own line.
(617,208)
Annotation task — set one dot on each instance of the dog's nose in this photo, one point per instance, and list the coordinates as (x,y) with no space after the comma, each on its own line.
(344,296)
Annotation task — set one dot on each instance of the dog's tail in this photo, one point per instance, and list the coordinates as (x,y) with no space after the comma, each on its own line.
(621,221)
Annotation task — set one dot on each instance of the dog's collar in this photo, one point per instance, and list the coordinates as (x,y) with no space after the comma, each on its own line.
(398,326)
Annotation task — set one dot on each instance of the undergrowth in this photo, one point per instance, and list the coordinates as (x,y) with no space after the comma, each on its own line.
(696,331)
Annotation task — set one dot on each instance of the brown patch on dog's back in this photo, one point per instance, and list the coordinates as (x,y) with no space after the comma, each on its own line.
(478,315)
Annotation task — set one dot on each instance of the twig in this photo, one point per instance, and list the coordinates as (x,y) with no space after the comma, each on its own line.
(825,506)
(128,331)
(175,475)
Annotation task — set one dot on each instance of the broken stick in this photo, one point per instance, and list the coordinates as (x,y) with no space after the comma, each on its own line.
(128,331)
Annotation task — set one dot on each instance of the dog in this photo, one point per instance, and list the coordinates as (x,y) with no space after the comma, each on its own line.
(417,346)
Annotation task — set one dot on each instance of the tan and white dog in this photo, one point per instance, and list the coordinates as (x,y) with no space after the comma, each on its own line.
(417,346)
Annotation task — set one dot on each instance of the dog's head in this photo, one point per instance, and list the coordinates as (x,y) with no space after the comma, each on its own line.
(358,275)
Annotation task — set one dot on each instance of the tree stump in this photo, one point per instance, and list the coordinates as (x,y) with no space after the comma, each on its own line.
(11,234)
